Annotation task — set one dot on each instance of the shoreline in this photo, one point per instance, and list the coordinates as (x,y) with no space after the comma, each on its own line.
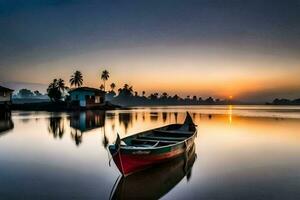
(64,107)
(58,107)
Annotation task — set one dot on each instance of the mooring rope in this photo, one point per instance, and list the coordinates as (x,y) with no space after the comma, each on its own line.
(118,144)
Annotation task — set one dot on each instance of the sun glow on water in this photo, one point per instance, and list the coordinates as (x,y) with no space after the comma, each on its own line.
(230,107)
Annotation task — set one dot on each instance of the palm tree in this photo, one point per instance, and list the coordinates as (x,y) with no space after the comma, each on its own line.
(53,84)
(104,77)
(61,85)
(176,97)
(102,87)
(126,90)
(143,93)
(76,79)
(112,86)
(164,95)
(120,90)
(53,91)
(126,86)
(130,89)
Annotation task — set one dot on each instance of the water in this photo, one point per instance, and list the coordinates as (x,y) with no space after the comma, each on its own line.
(241,152)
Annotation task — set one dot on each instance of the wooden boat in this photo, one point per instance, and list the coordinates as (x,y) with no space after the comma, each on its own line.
(145,149)
(155,182)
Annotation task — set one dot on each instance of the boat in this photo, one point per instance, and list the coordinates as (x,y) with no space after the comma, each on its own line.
(146,149)
(155,182)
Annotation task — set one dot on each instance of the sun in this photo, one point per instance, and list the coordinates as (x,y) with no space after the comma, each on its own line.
(230,97)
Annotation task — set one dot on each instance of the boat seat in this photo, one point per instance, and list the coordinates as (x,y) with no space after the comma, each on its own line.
(174,131)
(149,140)
(159,138)
(146,146)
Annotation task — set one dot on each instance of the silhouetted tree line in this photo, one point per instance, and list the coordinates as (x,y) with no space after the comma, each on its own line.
(57,89)
(57,92)
(29,96)
(285,102)
(127,96)
(26,93)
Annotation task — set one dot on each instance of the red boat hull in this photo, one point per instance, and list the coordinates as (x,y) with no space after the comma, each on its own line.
(130,163)
(151,147)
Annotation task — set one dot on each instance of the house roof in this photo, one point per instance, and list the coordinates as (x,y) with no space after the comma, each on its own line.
(87,89)
(5,89)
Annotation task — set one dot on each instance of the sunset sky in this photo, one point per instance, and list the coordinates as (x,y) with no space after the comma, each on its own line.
(248,49)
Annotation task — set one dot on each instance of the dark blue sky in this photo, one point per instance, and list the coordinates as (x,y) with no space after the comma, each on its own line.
(51,27)
(34,32)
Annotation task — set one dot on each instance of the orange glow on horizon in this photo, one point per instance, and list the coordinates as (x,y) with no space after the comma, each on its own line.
(181,70)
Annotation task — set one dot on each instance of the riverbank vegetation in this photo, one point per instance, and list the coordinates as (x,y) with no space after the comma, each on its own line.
(125,95)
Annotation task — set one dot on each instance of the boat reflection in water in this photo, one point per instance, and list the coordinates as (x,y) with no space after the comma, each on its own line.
(6,122)
(155,182)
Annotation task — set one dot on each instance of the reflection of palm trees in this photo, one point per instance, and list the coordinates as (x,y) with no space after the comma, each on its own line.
(77,136)
(125,119)
(176,116)
(164,116)
(105,139)
(144,116)
(56,126)
(153,116)
(112,118)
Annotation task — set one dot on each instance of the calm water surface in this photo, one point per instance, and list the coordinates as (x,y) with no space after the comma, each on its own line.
(241,152)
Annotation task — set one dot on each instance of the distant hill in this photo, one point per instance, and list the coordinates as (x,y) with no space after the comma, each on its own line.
(285,102)
(20,85)
(30,100)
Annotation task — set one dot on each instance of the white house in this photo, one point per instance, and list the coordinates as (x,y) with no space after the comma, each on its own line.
(87,97)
